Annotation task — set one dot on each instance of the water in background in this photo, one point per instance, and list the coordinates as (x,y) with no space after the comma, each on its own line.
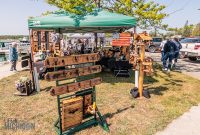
(3,57)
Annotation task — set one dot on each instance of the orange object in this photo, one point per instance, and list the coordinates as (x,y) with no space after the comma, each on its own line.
(124,40)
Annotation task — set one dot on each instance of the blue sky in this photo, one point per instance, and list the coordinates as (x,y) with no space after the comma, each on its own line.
(14,13)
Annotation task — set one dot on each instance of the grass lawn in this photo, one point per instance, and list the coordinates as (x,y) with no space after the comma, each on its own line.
(171,95)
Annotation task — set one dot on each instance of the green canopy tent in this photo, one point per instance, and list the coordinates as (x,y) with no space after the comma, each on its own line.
(98,21)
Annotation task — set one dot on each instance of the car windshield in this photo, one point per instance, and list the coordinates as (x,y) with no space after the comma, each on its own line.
(157,39)
(190,40)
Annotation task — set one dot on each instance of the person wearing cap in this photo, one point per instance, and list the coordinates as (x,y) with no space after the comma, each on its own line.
(13,56)
(169,52)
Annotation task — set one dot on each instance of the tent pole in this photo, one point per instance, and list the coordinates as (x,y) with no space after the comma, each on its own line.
(136,71)
(96,39)
(31,59)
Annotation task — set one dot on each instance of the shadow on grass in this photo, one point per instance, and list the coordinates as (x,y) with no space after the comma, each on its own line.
(157,90)
(110,115)
(108,77)
(47,89)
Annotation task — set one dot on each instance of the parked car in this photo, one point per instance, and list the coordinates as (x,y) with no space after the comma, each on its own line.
(189,45)
(194,54)
(155,44)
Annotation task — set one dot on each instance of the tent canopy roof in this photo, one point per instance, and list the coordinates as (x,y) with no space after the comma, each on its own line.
(97,21)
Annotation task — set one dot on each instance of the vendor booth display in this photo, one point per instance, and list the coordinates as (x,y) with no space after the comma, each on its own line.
(76,100)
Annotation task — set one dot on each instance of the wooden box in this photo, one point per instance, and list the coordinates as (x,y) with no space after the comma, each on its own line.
(95,69)
(43,36)
(43,46)
(73,87)
(72,112)
(85,84)
(96,81)
(35,35)
(35,46)
(83,71)
(93,57)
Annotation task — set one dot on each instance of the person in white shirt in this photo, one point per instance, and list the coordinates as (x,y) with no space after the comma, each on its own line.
(162,49)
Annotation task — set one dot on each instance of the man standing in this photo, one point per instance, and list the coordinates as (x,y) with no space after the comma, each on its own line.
(169,51)
(13,56)
(178,47)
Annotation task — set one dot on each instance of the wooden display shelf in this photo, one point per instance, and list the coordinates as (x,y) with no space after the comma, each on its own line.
(71,60)
(72,73)
(73,87)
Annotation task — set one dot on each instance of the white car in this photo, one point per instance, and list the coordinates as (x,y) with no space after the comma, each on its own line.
(194,54)
(190,47)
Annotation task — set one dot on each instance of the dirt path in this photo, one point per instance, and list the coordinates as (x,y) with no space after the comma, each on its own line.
(189,122)
(5,70)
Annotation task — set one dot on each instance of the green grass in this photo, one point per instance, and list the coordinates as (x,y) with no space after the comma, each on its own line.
(171,95)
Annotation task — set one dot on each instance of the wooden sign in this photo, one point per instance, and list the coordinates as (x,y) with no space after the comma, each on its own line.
(72,112)
(71,60)
(73,87)
(72,73)
(124,40)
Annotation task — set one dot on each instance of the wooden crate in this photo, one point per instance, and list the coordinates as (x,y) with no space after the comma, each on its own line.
(72,112)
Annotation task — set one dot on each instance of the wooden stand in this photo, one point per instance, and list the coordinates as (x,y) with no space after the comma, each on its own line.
(145,65)
(76,100)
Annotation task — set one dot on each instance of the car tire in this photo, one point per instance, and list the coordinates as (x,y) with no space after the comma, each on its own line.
(152,49)
(192,58)
(182,55)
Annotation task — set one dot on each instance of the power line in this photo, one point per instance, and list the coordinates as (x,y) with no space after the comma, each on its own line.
(182,8)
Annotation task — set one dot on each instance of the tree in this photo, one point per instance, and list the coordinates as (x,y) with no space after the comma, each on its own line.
(148,14)
(187,30)
(196,30)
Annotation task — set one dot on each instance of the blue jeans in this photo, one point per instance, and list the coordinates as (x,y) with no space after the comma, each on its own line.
(162,55)
(170,56)
(176,55)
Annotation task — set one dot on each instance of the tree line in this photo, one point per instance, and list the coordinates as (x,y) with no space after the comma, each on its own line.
(14,37)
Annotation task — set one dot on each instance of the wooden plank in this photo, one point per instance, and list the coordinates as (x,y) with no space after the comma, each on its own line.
(72,73)
(72,112)
(59,90)
(71,60)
